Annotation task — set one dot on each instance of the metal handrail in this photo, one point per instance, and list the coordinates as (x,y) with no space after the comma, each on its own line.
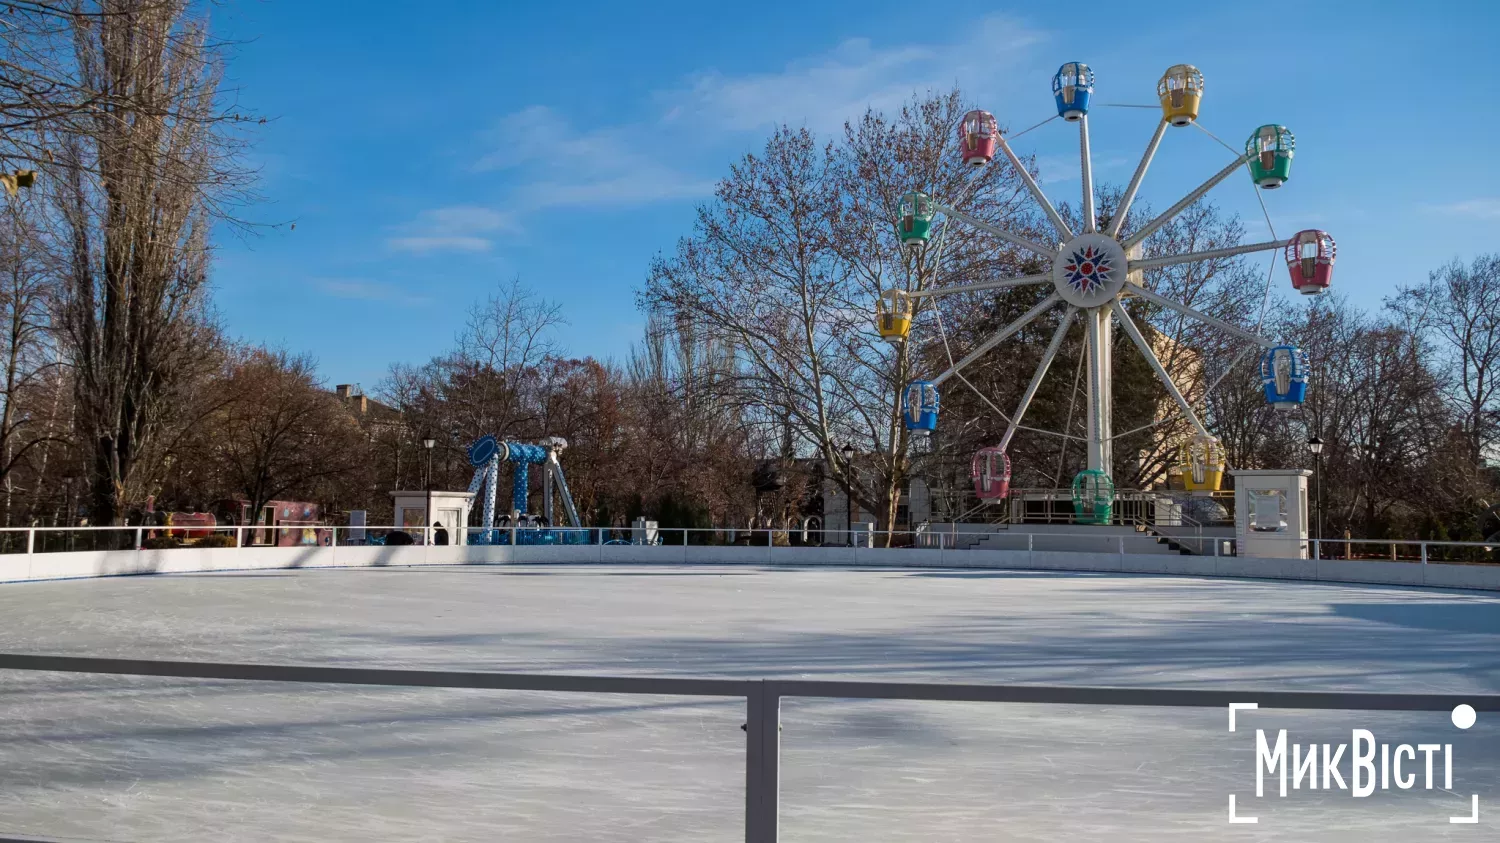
(762,696)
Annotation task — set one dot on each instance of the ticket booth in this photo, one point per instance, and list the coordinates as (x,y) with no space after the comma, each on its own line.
(1270,512)
(450,509)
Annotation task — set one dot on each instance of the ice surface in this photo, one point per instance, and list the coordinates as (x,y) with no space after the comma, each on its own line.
(122,759)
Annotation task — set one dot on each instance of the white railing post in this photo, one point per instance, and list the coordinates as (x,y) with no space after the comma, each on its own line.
(239,536)
(30,539)
(1424,553)
(137,538)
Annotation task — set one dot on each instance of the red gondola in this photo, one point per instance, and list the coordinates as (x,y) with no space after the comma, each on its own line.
(976,137)
(991,472)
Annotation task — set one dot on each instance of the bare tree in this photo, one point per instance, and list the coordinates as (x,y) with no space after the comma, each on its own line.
(142,181)
(277,432)
(784,267)
(27,353)
(1458,310)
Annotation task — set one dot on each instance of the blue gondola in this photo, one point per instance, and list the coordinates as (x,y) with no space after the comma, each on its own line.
(1284,372)
(1071,87)
(921,407)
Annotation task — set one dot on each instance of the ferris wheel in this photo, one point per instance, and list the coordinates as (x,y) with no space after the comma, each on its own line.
(1091,271)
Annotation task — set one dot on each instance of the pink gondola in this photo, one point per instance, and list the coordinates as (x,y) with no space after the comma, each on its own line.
(976,137)
(991,472)
(1309,258)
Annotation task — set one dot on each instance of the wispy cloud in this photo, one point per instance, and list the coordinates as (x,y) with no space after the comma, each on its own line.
(554,163)
(823,91)
(456,228)
(1484,209)
(564,166)
(363,290)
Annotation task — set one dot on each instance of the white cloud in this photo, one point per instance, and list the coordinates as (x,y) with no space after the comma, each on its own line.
(1484,209)
(823,91)
(565,166)
(356,288)
(456,228)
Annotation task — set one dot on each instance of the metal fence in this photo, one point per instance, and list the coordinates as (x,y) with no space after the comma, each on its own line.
(18,540)
(762,700)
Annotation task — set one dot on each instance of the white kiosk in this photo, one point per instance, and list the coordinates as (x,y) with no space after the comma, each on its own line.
(451,509)
(1270,512)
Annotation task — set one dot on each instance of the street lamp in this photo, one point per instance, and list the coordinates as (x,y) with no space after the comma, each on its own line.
(428,442)
(1315,445)
(848,451)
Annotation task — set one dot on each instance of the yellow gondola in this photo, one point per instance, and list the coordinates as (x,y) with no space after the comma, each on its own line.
(893,316)
(1181,91)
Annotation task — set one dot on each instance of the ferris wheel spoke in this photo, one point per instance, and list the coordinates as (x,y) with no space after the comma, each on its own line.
(1135,181)
(1036,379)
(1048,252)
(999,337)
(980,286)
(1201,316)
(1211,254)
(1087,160)
(1161,371)
(1036,192)
(1149,228)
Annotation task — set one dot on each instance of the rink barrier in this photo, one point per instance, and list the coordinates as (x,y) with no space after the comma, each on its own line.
(1117,553)
(762,700)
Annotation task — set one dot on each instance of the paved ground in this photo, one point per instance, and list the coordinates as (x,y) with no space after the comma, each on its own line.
(107,758)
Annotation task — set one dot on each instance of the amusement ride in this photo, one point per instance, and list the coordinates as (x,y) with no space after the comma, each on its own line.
(1091,271)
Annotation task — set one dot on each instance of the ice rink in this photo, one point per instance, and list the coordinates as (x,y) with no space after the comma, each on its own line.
(120,759)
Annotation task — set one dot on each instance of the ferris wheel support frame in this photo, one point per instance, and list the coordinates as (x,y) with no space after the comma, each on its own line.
(1128,198)
(1048,252)
(1156,365)
(1036,379)
(1169,214)
(1208,255)
(1086,160)
(999,337)
(981,286)
(1186,310)
(1058,223)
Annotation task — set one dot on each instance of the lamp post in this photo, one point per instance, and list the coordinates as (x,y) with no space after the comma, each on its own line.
(848,451)
(428,442)
(1315,445)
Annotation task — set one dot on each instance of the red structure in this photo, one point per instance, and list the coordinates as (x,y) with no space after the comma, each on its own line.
(1309,258)
(976,137)
(991,472)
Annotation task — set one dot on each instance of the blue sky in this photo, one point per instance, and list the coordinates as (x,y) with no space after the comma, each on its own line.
(428,152)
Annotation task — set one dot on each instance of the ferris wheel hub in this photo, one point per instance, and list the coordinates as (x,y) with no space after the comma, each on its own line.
(1090,270)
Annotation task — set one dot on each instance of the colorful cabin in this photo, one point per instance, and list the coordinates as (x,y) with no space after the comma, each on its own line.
(1270,152)
(1071,88)
(920,407)
(1093,497)
(916,220)
(1309,258)
(893,316)
(1200,465)
(991,473)
(1283,371)
(976,137)
(1181,91)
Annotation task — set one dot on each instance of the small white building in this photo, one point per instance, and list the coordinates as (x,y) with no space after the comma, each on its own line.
(450,509)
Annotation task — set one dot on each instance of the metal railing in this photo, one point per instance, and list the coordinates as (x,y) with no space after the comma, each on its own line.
(43,540)
(762,700)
